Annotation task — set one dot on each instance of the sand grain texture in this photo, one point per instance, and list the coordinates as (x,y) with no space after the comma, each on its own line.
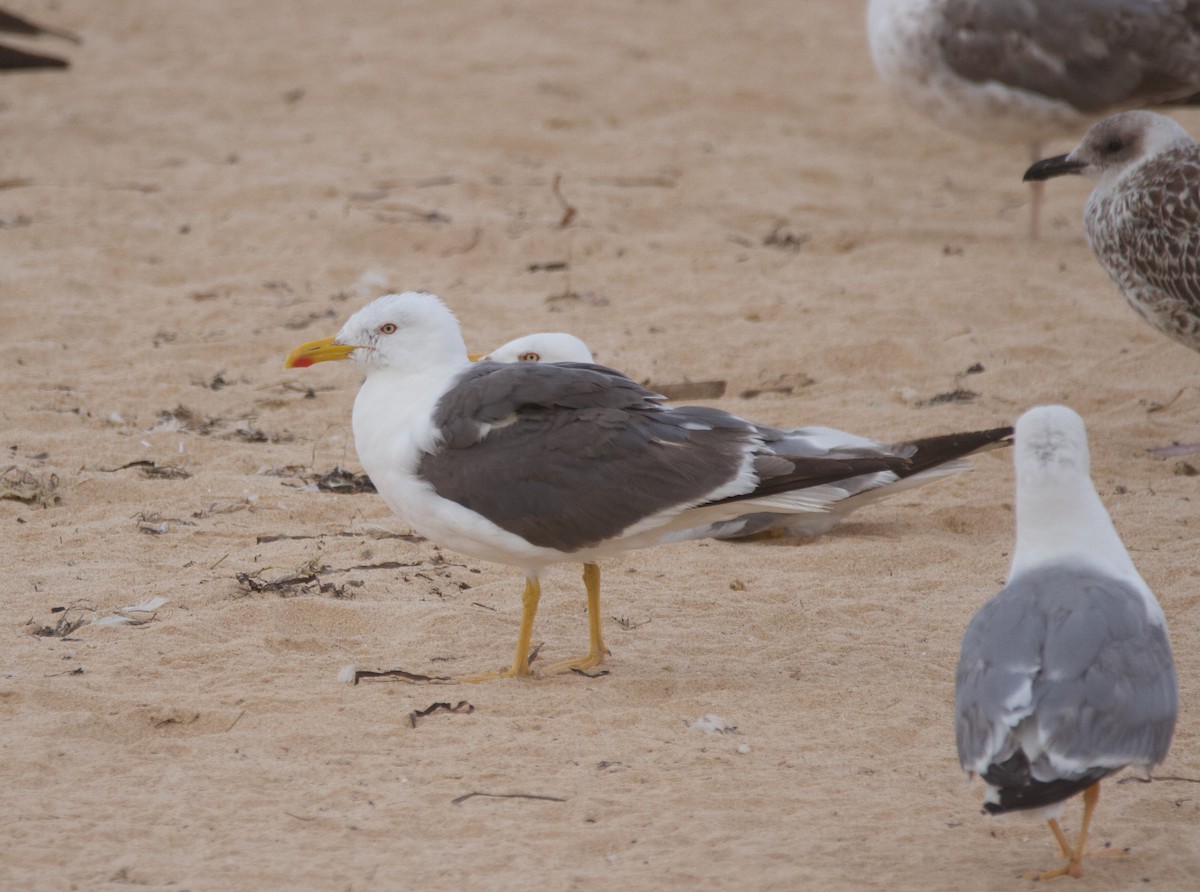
(207,186)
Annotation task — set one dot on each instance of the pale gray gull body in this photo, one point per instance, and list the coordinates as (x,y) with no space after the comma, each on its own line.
(532,464)
(930,458)
(1066,675)
(1143,217)
(1029,71)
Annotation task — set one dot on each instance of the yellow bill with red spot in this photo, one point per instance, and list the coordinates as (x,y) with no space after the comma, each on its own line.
(324,350)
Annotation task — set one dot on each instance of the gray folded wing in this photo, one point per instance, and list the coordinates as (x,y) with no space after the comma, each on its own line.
(1095,55)
(570,455)
(1077,654)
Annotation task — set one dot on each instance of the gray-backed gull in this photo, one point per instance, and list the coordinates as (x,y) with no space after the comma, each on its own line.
(1143,216)
(1066,675)
(1028,71)
(532,464)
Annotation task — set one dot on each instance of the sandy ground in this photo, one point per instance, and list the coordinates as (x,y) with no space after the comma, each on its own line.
(209,184)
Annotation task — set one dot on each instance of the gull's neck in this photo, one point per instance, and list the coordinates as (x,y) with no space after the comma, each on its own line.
(392,415)
(1060,518)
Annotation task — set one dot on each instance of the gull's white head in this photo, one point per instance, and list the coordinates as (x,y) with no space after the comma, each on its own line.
(1113,146)
(545,346)
(411,331)
(1050,441)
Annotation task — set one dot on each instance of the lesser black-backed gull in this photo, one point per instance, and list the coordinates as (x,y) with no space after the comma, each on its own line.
(931,458)
(1143,217)
(532,464)
(1066,675)
(1028,71)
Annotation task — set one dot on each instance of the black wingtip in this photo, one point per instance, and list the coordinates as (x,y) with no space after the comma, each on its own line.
(929,452)
(12,59)
(1019,790)
(15,24)
(1051,167)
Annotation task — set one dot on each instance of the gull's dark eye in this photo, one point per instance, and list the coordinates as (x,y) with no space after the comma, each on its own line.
(387,328)
(1114,145)
(530,357)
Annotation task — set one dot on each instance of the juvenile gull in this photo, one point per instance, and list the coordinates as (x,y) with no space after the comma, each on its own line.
(931,458)
(1143,216)
(1028,71)
(532,464)
(1066,675)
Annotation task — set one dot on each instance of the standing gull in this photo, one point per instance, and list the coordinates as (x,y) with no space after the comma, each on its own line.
(1028,71)
(930,458)
(531,464)
(1143,216)
(1066,675)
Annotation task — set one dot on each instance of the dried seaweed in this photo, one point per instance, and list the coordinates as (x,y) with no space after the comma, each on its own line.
(401,674)
(242,504)
(282,537)
(151,470)
(627,624)
(556,301)
(462,706)
(76,671)
(342,481)
(71,619)
(590,673)
(247,433)
(958,395)
(182,418)
(296,583)
(337,480)
(400,212)
(784,239)
(21,485)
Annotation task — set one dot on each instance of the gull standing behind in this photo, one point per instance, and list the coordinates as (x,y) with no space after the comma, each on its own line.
(931,458)
(1028,71)
(1143,217)
(531,464)
(1066,675)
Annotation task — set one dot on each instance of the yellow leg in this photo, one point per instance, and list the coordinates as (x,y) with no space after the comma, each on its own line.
(596,648)
(591,581)
(1074,867)
(1063,845)
(520,665)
